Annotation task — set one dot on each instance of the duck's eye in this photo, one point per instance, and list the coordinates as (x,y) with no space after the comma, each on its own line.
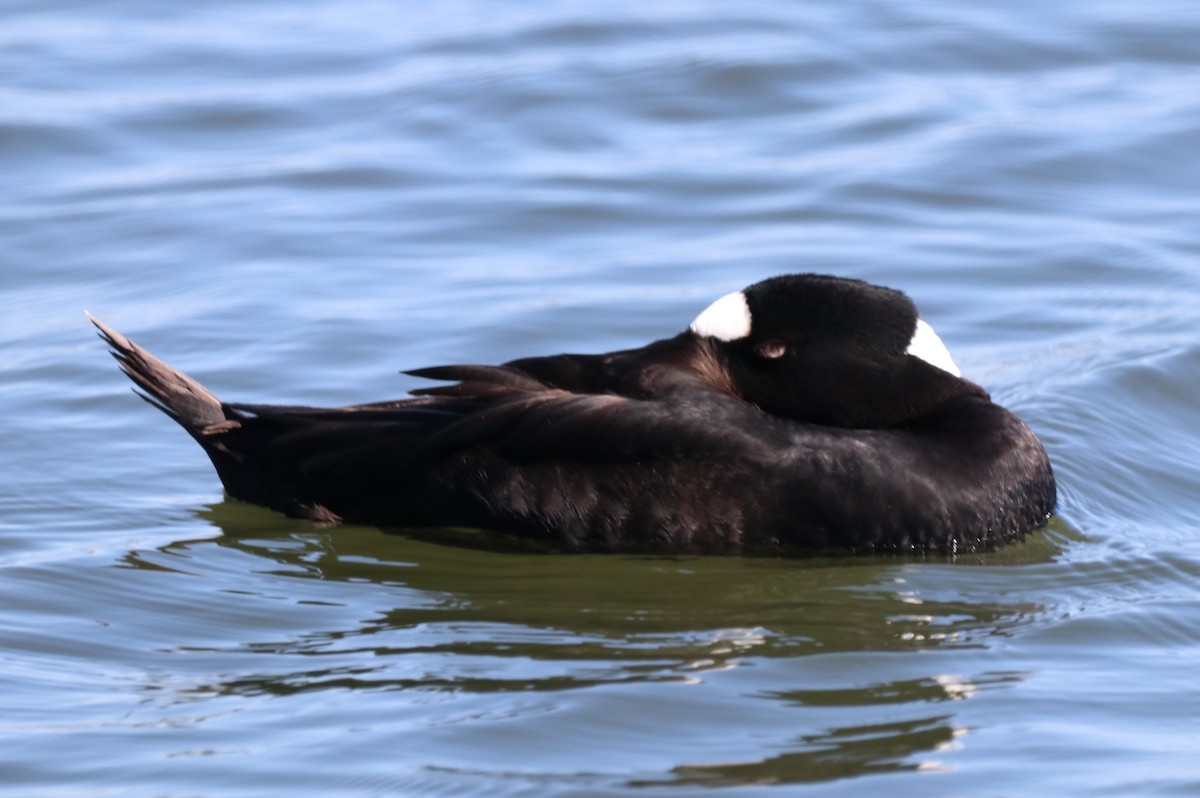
(772,349)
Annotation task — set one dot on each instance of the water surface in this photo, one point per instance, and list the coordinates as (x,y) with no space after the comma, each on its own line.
(295,202)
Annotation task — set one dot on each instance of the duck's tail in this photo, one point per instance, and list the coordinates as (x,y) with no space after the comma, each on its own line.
(197,409)
(243,463)
(314,463)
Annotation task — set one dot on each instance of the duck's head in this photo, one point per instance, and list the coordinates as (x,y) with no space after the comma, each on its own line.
(831,350)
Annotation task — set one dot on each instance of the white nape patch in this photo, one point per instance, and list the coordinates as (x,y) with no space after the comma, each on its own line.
(926,345)
(727,319)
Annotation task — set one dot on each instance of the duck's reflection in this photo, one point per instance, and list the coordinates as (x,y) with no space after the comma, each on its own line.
(610,606)
(356,609)
(834,754)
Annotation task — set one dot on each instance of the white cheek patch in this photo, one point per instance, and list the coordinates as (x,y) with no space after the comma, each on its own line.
(727,319)
(926,345)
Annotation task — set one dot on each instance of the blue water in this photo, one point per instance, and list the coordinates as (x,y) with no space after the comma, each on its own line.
(294,202)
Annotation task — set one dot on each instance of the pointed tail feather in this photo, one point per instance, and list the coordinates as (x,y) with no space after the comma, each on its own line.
(244,447)
(195,407)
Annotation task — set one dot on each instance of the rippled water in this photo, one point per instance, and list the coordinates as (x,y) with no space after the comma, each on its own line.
(295,201)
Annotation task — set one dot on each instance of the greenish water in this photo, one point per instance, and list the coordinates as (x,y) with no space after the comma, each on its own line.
(294,203)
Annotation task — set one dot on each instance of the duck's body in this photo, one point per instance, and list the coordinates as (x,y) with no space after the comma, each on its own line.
(806,412)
